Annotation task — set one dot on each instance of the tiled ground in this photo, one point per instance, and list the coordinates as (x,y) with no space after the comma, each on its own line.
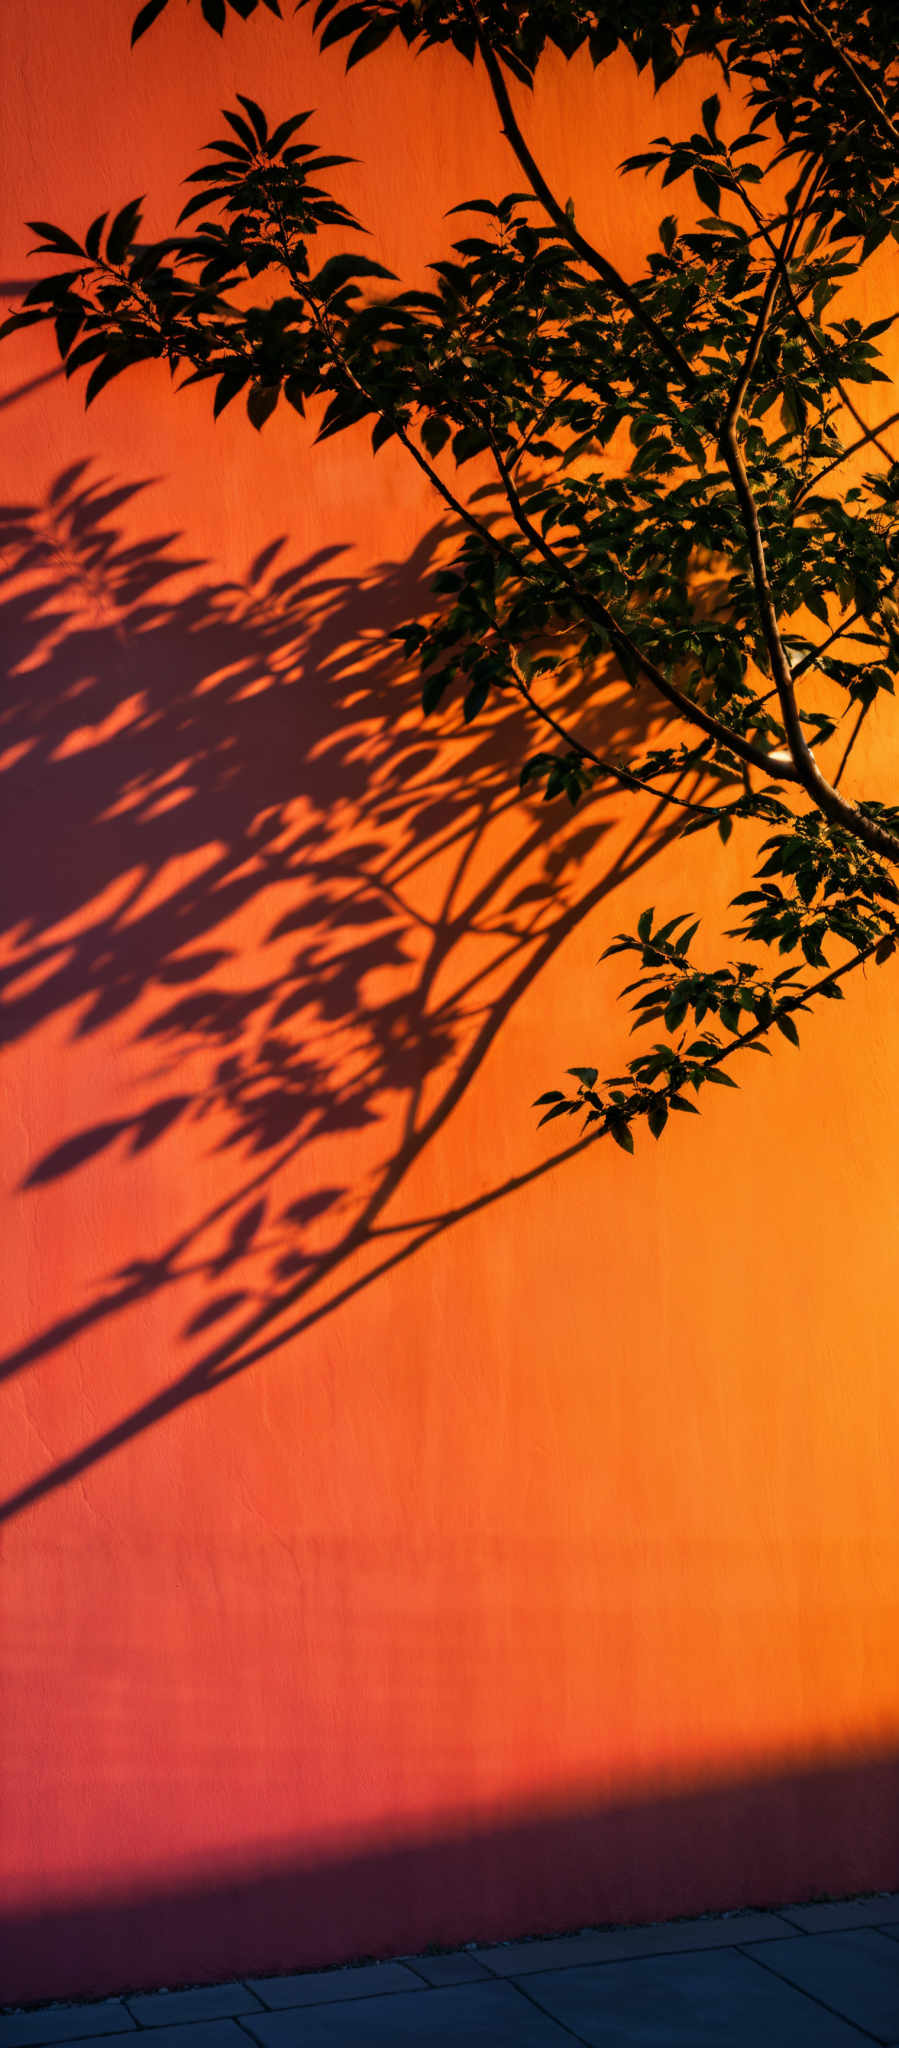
(823,1976)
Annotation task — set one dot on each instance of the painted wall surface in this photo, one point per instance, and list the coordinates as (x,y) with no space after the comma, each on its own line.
(408,1538)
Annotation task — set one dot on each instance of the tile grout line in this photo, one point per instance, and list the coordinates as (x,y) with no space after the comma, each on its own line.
(273,2012)
(495,1976)
(864,2032)
(552,2016)
(779,1917)
(423,1981)
(646,1956)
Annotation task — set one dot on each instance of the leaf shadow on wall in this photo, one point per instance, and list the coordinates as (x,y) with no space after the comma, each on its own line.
(176,749)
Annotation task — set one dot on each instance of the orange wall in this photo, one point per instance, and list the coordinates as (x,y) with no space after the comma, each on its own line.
(409,1539)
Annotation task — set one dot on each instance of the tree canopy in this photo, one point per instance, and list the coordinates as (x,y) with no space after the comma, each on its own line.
(689,494)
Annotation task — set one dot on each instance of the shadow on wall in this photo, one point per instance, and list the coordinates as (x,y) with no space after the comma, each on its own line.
(178,753)
(672,1855)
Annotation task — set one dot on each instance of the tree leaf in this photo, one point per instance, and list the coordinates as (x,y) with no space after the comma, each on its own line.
(229,384)
(92,238)
(56,239)
(435,434)
(123,231)
(261,403)
(370,39)
(476,699)
(619,1129)
(786,1026)
(708,189)
(145,18)
(257,118)
(711,109)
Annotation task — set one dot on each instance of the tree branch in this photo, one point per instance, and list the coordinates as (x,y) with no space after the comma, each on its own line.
(820,354)
(863,713)
(563,221)
(816,785)
(620,775)
(625,647)
(791,1003)
(846,64)
(864,440)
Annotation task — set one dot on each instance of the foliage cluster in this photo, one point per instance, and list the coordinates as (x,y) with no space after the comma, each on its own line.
(689,493)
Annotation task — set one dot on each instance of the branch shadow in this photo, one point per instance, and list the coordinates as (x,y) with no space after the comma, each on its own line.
(175,749)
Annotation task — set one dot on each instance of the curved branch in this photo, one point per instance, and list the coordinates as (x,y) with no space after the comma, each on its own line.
(846,64)
(864,441)
(620,775)
(627,649)
(563,221)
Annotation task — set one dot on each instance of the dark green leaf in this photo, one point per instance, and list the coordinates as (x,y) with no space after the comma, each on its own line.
(619,1129)
(558,1109)
(787,1027)
(711,109)
(435,434)
(475,699)
(708,189)
(433,689)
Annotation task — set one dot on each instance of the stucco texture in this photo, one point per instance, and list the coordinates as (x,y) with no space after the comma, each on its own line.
(411,1536)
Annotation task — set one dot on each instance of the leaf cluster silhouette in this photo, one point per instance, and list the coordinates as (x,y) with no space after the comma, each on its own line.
(683,489)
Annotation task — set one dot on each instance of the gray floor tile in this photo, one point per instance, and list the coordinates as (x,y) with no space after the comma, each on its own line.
(207,2002)
(521,1958)
(326,1987)
(64,2023)
(486,2015)
(711,2000)
(460,1968)
(200,2034)
(193,2034)
(831,1917)
(856,1973)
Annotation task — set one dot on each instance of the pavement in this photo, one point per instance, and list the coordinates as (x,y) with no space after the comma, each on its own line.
(815,1976)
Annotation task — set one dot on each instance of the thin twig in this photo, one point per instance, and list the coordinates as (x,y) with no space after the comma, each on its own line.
(823,793)
(563,221)
(598,761)
(868,433)
(851,743)
(846,64)
(863,441)
(625,647)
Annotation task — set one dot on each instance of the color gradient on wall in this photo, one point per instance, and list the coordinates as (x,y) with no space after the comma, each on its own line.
(412,1532)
